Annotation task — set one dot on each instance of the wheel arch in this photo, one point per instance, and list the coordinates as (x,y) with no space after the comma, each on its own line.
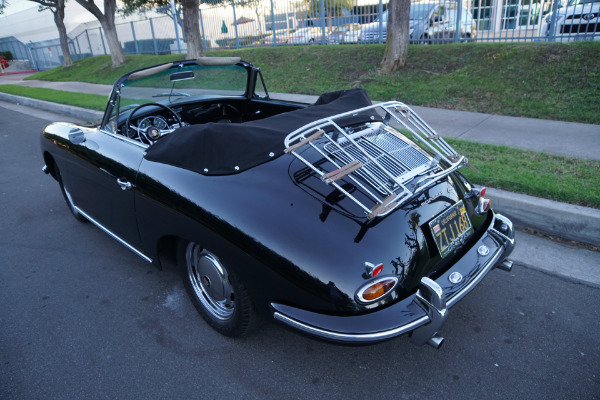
(50,164)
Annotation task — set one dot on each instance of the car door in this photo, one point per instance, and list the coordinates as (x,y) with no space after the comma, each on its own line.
(102,182)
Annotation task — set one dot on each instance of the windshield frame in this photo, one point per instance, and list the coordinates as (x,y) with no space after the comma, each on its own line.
(176,66)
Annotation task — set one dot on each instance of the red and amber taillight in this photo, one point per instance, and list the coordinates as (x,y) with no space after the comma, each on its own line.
(483,205)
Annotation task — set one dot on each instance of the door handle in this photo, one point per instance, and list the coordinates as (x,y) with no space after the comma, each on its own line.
(124,184)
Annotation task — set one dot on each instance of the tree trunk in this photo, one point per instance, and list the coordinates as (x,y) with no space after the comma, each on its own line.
(191,29)
(107,20)
(59,16)
(116,51)
(396,47)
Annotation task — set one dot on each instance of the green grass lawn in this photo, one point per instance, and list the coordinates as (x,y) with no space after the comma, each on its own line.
(84,100)
(567,179)
(557,81)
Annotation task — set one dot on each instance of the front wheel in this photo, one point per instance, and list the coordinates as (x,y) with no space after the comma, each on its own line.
(216,292)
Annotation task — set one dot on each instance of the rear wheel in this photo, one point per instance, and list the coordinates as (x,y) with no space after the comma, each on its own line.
(78,216)
(216,292)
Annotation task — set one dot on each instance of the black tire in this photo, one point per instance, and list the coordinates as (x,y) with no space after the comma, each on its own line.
(78,216)
(216,292)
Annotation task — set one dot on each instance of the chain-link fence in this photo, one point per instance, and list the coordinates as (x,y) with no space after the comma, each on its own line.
(237,24)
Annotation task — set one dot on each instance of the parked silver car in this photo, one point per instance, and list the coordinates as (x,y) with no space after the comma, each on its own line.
(578,20)
(346,33)
(429,23)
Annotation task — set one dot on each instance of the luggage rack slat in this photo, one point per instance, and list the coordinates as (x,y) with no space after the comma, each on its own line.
(375,155)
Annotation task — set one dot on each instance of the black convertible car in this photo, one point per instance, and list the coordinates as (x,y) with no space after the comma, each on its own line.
(345,220)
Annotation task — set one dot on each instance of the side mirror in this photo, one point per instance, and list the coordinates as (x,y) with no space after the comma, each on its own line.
(76,136)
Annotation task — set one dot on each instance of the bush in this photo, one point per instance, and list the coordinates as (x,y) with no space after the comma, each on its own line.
(146,46)
(3,62)
(7,55)
(244,41)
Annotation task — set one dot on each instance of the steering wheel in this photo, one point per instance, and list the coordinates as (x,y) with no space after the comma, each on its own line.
(151,133)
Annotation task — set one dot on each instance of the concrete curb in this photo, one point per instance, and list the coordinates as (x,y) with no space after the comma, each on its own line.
(70,111)
(568,221)
(581,224)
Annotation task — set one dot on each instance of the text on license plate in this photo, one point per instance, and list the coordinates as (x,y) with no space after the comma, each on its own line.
(450,228)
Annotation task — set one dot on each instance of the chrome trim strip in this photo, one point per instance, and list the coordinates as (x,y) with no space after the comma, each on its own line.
(117,238)
(352,337)
(124,138)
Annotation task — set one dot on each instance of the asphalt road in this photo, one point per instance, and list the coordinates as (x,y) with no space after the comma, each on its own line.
(82,317)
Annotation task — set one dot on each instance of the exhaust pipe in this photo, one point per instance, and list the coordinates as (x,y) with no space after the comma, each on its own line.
(436,342)
(505,265)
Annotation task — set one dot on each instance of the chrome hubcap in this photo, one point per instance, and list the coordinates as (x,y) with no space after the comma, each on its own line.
(210,282)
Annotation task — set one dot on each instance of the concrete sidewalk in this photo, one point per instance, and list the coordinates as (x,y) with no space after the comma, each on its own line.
(556,137)
(577,223)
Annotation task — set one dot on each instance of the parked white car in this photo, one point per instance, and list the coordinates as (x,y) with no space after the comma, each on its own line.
(430,22)
(578,20)
(281,36)
(307,36)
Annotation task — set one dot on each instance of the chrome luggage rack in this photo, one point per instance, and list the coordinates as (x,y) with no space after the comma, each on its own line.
(376,153)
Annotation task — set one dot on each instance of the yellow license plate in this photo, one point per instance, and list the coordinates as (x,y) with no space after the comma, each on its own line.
(451,228)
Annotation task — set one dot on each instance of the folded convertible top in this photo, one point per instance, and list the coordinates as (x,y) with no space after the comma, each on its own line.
(226,148)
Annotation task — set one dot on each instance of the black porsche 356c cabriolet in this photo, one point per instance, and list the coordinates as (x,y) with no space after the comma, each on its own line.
(344,220)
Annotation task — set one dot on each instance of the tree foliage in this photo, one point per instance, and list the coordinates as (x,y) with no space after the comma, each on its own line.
(331,8)
(328,8)
(160,6)
(185,10)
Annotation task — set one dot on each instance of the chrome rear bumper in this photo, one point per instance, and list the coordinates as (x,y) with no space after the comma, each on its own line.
(423,314)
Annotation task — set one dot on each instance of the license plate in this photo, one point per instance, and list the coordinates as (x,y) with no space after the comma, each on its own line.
(451,228)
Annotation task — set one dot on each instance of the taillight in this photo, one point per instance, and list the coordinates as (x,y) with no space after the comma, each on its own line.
(483,206)
(376,289)
(475,192)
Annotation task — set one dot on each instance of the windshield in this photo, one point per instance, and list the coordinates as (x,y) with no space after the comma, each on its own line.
(577,2)
(168,83)
(420,11)
(342,28)
(186,81)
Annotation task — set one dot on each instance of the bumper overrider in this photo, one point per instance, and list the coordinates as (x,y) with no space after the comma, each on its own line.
(423,314)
